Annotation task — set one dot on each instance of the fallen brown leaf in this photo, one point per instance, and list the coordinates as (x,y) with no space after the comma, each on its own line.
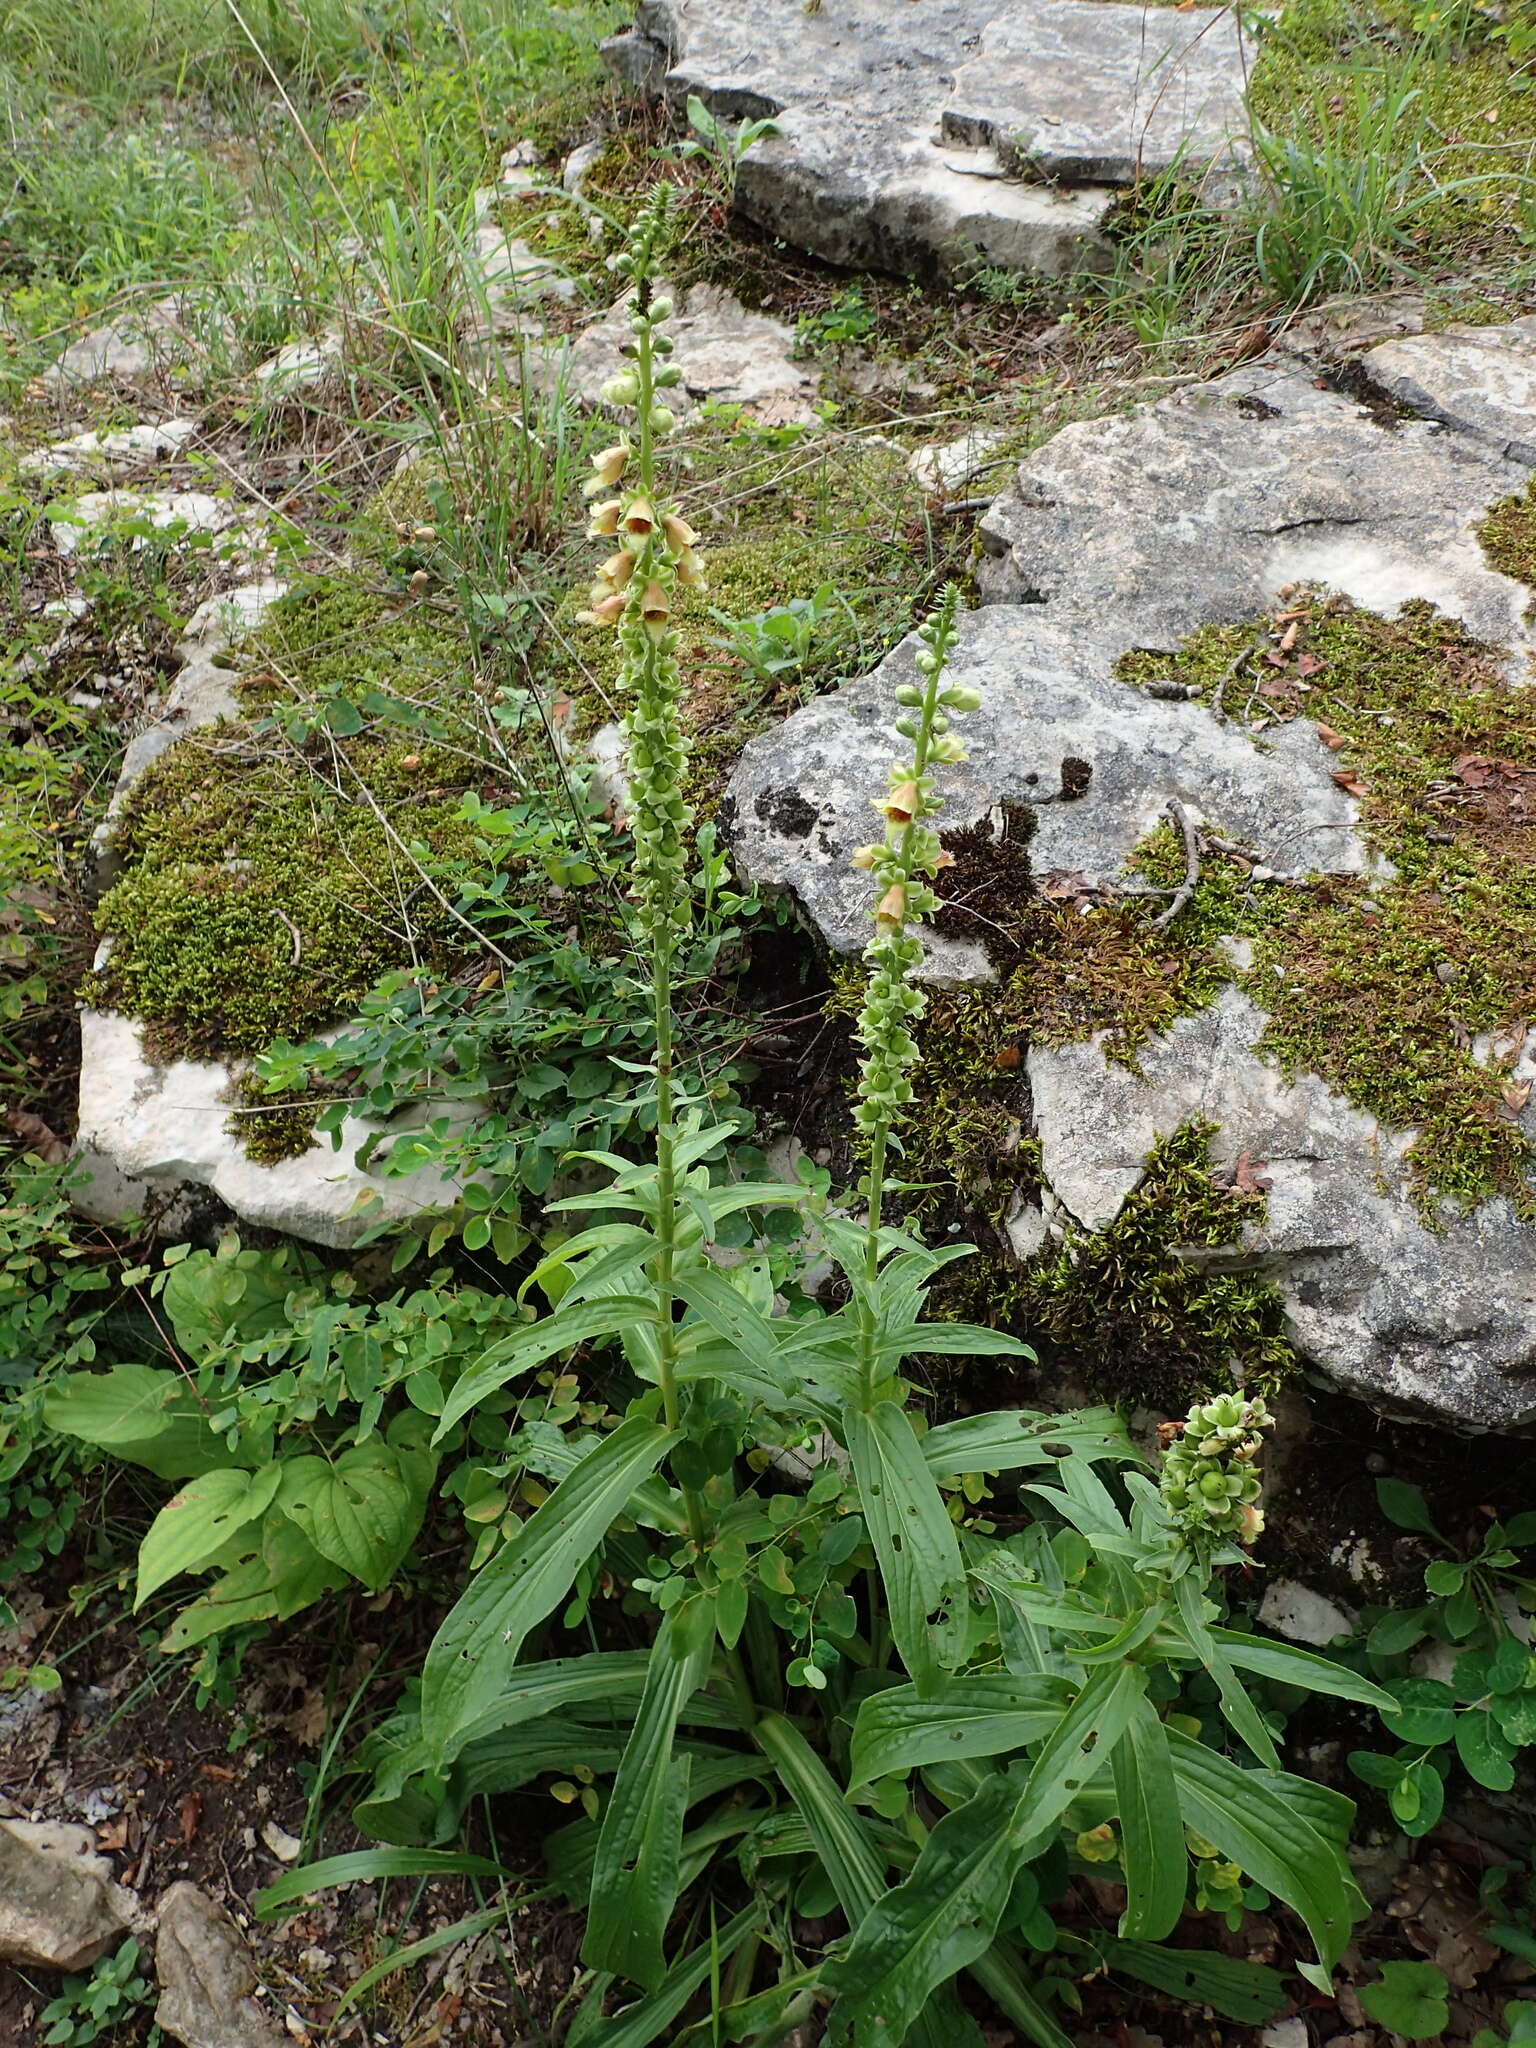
(1329,737)
(1248,1175)
(191,1813)
(1516,1096)
(1349,781)
(37,1136)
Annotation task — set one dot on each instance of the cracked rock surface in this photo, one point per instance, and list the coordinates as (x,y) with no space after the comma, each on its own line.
(207,1977)
(1202,507)
(860,171)
(1129,533)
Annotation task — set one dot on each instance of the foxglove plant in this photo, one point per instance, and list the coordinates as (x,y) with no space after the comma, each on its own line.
(1000,1693)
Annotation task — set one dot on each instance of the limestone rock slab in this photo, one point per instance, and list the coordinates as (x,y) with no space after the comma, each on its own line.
(93,454)
(800,800)
(1200,508)
(1481,380)
(859,171)
(724,351)
(1091,92)
(201,695)
(207,1977)
(59,1906)
(1438,1321)
(148,1133)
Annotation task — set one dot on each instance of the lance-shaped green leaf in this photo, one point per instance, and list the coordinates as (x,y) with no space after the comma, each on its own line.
(651,2018)
(635,1876)
(1152,1852)
(1006,1440)
(1235,1702)
(733,1318)
(606,1679)
(608,1316)
(897,1730)
(475,1649)
(1082,1742)
(1291,1666)
(855,1869)
(913,1537)
(1255,1823)
(999,1974)
(1247,1992)
(950,1340)
(937,1922)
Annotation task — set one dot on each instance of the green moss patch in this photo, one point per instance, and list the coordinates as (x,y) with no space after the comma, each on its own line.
(1146,1324)
(1142,1311)
(1508,536)
(268,881)
(1385,988)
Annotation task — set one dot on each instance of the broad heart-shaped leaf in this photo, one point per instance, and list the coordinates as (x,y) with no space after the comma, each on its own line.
(144,1414)
(208,1298)
(287,1573)
(897,1730)
(1152,1852)
(475,1649)
(635,1876)
(361,1510)
(1410,1999)
(937,1922)
(189,1529)
(913,1537)
(1255,1821)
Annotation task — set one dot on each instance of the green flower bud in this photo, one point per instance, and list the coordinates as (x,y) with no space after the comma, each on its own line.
(623,389)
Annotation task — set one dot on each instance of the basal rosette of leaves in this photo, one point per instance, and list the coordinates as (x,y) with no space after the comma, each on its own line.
(858,1700)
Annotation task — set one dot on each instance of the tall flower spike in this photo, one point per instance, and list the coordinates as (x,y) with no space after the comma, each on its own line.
(901,865)
(638,589)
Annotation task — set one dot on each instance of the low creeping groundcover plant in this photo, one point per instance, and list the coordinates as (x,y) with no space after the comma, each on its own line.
(854,1706)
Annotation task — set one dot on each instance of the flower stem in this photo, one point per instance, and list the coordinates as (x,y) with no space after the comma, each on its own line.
(910,852)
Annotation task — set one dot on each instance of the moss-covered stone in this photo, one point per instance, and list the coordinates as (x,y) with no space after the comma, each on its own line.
(1392,990)
(1140,1312)
(268,873)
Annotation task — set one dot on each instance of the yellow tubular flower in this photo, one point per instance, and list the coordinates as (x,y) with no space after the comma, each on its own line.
(891,910)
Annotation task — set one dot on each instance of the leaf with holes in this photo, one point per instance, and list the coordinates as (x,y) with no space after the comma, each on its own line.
(914,1538)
